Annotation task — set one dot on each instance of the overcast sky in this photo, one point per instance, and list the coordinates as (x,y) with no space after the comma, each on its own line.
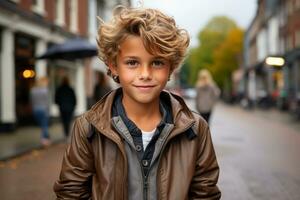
(194,14)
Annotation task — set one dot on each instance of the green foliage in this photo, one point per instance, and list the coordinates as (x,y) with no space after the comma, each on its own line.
(227,56)
(184,75)
(219,50)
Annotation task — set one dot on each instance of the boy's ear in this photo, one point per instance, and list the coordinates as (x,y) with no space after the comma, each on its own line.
(112,68)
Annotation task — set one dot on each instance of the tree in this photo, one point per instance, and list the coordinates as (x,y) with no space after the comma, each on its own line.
(184,75)
(227,57)
(210,38)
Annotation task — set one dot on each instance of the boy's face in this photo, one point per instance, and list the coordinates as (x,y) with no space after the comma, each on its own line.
(142,75)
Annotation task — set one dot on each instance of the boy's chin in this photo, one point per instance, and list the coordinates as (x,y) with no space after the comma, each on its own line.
(146,99)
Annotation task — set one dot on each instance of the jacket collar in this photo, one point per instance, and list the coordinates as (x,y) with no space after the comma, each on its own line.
(119,110)
(101,119)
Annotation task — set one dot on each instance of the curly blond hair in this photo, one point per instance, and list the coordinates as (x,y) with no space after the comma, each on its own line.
(159,32)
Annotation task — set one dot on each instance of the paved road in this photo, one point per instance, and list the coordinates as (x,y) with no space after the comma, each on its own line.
(257,152)
(31,176)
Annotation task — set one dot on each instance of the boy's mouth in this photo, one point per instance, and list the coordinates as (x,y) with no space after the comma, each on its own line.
(144,87)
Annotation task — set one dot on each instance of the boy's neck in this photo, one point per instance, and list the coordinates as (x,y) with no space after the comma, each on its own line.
(145,116)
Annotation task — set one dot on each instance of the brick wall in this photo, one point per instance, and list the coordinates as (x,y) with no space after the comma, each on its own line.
(50,13)
(83,17)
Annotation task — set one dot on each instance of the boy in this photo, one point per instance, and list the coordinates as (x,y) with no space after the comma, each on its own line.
(140,142)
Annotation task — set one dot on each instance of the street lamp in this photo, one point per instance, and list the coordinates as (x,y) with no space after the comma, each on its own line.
(275,61)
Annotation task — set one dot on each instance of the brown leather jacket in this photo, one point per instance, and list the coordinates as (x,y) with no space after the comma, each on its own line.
(96,168)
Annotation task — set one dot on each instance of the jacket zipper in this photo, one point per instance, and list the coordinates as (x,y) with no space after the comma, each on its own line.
(145,187)
(144,177)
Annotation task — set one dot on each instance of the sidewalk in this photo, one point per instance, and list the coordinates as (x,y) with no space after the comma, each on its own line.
(26,139)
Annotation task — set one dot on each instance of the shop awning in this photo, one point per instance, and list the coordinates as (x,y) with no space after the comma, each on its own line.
(70,50)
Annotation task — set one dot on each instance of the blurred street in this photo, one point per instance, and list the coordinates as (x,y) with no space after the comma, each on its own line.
(31,176)
(249,50)
(258,153)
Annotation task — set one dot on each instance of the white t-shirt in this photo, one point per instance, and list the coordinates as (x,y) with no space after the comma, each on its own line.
(147,136)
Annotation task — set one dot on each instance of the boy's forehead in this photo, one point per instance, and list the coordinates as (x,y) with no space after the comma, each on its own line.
(137,54)
(133,46)
(131,42)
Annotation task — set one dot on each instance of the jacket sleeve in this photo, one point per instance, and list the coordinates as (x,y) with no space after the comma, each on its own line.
(204,182)
(77,166)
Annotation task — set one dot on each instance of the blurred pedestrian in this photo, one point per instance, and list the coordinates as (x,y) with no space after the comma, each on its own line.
(136,141)
(39,95)
(101,88)
(66,100)
(207,94)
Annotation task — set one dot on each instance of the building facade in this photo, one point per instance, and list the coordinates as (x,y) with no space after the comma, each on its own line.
(273,33)
(290,34)
(27,29)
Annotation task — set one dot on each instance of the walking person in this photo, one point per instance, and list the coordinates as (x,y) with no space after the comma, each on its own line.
(66,100)
(39,95)
(140,141)
(207,94)
(101,88)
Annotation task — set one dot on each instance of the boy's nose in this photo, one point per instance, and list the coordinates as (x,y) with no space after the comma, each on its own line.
(145,72)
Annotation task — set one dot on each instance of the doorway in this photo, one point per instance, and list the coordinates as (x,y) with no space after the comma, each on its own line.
(24,77)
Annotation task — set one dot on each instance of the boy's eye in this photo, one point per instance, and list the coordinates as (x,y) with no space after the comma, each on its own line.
(131,63)
(158,63)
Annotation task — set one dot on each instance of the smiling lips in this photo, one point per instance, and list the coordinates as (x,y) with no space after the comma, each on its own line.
(144,87)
